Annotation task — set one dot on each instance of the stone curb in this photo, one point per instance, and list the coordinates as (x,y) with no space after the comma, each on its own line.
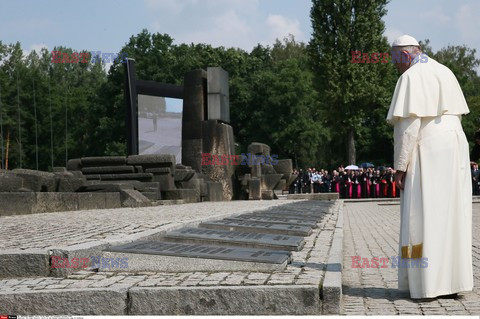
(90,301)
(258,300)
(332,284)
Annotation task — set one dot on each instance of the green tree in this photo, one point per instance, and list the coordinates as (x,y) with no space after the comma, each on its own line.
(353,95)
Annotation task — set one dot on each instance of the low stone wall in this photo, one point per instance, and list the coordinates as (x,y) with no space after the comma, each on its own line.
(21,203)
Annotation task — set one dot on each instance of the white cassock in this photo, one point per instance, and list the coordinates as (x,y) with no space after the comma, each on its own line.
(436,204)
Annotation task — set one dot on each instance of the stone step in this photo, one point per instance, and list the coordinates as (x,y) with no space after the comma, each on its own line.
(178,257)
(259,227)
(235,238)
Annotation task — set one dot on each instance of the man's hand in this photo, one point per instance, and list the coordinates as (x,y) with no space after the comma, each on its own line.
(400,179)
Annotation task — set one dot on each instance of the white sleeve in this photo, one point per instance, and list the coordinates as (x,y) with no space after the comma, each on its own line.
(405,139)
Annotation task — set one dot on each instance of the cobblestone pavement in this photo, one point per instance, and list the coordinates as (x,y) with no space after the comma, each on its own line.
(63,229)
(372,230)
(307,266)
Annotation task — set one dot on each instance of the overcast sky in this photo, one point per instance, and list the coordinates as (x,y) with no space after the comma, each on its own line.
(106,25)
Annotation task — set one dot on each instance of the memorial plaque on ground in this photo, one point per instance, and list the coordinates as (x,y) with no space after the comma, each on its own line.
(315,213)
(236,238)
(253,226)
(278,220)
(287,215)
(203,251)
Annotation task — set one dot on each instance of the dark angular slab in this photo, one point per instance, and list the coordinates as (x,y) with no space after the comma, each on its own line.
(278,220)
(103,161)
(124,177)
(108,170)
(159,160)
(202,251)
(261,227)
(105,188)
(236,238)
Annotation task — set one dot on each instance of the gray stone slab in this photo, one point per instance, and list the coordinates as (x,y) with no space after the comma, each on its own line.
(203,251)
(17,203)
(307,216)
(278,220)
(91,301)
(26,263)
(261,227)
(133,198)
(106,187)
(263,300)
(147,177)
(37,181)
(159,170)
(154,160)
(236,238)
(188,195)
(91,201)
(175,264)
(108,170)
(103,161)
(74,164)
(9,182)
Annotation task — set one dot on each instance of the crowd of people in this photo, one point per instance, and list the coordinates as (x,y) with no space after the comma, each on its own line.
(349,183)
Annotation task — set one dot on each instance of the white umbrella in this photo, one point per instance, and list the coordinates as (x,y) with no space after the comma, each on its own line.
(353,167)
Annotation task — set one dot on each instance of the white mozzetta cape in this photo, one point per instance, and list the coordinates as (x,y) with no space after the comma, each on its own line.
(427,88)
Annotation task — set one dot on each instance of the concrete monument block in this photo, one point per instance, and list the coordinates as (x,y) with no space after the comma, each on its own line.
(183,175)
(74,164)
(153,161)
(259,149)
(17,203)
(37,181)
(284,166)
(91,201)
(215,192)
(254,189)
(9,182)
(103,161)
(166,181)
(218,94)
(268,182)
(69,184)
(133,198)
(188,195)
(108,170)
(281,185)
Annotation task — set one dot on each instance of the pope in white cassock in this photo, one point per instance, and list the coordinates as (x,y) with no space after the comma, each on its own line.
(431,156)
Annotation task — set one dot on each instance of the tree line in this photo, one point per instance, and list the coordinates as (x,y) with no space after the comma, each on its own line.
(306,100)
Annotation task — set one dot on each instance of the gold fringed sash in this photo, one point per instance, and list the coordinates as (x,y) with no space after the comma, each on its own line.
(414,252)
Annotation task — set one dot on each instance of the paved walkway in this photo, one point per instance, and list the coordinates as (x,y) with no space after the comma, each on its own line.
(64,229)
(371,229)
(293,291)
